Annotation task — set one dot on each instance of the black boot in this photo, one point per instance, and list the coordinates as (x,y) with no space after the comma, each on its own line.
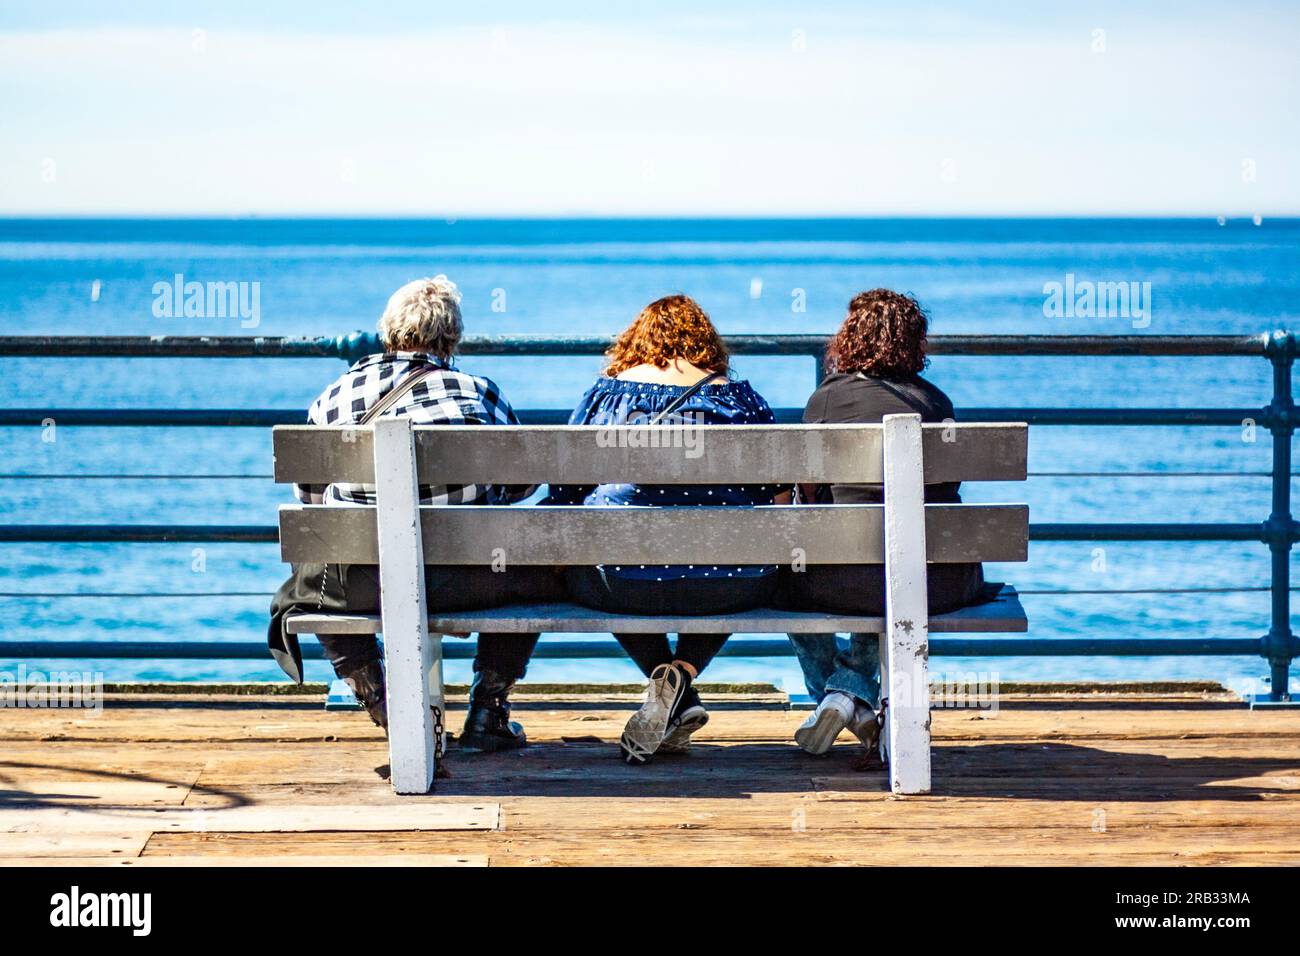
(367,683)
(488,726)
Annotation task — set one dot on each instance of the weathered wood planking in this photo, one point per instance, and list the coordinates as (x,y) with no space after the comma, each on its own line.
(1002,615)
(812,534)
(429,815)
(277,860)
(713,454)
(789,846)
(1076,780)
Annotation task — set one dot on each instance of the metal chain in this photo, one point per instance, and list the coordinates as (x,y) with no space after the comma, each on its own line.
(437,739)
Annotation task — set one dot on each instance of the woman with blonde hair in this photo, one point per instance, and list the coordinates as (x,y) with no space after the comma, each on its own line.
(414,377)
(670,367)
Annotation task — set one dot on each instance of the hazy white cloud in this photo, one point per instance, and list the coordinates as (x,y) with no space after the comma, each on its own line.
(698,116)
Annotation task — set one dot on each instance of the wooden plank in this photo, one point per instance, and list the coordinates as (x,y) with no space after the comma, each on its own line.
(712,454)
(1002,615)
(278,860)
(97,792)
(789,846)
(251,819)
(20,847)
(408,652)
(907,623)
(574,535)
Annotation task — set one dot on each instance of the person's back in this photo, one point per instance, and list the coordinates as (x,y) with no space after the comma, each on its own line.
(414,378)
(875,362)
(670,367)
(862,398)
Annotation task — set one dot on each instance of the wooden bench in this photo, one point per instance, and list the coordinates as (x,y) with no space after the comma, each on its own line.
(401,537)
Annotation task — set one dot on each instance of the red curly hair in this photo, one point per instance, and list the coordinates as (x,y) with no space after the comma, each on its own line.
(674,327)
(883,336)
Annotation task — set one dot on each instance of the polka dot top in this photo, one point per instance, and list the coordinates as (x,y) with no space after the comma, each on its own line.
(612,401)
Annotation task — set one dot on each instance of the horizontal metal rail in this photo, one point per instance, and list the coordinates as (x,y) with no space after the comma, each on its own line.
(195,534)
(267,417)
(1280,418)
(738,647)
(267,476)
(356,344)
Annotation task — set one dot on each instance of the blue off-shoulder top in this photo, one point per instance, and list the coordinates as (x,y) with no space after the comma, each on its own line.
(612,401)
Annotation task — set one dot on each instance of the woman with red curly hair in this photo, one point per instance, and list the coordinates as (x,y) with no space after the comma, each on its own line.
(874,365)
(669,366)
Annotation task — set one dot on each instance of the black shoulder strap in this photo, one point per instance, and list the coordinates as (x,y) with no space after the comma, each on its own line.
(908,400)
(683,398)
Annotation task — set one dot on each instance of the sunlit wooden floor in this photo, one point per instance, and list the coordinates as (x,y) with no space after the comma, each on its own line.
(211,780)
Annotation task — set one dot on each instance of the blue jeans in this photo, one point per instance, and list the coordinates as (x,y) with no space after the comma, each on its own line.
(831,664)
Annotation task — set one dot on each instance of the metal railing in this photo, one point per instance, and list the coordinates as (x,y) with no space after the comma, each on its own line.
(1279,531)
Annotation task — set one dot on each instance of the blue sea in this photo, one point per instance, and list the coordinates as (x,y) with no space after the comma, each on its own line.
(326,277)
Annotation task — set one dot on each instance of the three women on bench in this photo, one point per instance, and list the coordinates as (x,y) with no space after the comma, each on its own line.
(668,367)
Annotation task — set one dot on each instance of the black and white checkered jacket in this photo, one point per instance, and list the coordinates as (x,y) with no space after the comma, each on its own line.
(447,397)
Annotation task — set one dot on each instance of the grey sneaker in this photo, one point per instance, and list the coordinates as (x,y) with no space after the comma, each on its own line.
(645,730)
(816,734)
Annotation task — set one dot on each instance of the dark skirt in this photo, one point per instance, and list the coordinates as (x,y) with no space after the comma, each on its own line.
(860,588)
(599,591)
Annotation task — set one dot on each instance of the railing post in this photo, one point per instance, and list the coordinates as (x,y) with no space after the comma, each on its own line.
(1280,530)
(356,345)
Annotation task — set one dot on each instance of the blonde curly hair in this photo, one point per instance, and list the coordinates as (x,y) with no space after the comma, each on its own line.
(423,316)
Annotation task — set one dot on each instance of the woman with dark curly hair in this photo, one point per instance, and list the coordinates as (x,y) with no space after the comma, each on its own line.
(670,366)
(873,370)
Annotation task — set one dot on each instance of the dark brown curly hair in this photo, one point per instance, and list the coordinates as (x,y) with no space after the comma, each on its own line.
(883,336)
(674,327)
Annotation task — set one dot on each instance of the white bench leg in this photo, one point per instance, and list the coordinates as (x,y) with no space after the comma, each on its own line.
(907,619)
(408,650)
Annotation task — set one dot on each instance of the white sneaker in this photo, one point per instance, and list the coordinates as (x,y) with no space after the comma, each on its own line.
(645,730)
(818,732)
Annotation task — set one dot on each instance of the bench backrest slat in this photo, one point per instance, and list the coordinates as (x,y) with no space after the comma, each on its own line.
(712,454)
(816,534)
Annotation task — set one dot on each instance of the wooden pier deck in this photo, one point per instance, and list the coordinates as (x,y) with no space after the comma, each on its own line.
(1074,779)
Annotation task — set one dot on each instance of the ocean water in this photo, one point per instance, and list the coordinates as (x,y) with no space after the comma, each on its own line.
(325,277)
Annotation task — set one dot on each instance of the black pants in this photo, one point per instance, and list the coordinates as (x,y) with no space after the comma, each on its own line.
(594,588)
(860,588)
(452,589)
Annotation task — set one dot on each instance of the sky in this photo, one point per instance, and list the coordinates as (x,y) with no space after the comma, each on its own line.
(672,108)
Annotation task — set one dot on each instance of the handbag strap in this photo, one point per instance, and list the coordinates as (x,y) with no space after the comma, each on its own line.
(683,398)
(397,393)
(910,401)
